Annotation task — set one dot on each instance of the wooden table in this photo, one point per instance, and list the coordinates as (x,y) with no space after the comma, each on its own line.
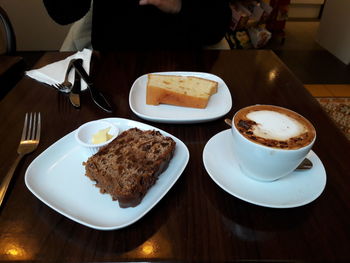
(196,220)
(11,71)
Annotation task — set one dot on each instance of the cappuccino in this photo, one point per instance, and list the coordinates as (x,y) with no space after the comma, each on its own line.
(275,127)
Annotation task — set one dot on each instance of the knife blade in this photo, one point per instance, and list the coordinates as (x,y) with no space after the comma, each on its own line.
(96,95)
(74,95)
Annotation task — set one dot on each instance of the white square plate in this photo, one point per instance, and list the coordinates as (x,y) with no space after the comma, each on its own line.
(219,104)
(57,178)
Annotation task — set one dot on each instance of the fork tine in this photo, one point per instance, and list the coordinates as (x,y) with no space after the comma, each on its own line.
(24,132)
(30,128)
(38,128)
(57,86)
(34,127)
(61,88)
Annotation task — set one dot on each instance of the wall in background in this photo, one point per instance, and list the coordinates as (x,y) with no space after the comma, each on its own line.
(333,32)
(305,9)
(34,28)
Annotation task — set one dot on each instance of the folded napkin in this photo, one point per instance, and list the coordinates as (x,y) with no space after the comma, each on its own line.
(54,73)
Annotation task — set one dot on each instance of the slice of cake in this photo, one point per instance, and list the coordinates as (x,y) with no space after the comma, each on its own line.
(130,165)
(187,91)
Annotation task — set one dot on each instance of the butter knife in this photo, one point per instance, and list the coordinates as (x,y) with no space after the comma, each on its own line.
(96,95)
(74,95)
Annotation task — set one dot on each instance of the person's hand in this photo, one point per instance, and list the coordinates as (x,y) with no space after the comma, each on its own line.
(167,6)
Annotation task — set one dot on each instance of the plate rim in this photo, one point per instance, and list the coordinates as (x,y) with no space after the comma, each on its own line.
(183,164)
(175,120)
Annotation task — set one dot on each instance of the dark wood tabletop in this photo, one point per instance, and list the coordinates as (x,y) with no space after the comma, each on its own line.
(196,220)
(11,70)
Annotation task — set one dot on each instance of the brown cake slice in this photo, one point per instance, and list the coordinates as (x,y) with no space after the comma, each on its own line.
(128,166)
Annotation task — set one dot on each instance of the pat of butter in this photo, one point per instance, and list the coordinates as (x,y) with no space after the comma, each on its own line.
(101,136)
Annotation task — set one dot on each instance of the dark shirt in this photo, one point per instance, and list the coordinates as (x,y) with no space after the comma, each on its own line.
(124,24)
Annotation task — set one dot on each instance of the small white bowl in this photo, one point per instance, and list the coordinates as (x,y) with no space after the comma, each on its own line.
(86,131)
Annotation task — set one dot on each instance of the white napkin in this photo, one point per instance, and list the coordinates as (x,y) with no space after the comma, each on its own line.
(54,73)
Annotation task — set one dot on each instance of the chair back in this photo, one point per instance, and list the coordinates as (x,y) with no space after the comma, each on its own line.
(7,35)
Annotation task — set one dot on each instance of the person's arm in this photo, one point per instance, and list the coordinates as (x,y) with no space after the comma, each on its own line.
(67,11)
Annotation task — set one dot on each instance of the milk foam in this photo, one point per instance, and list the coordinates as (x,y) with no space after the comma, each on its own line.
(274,125)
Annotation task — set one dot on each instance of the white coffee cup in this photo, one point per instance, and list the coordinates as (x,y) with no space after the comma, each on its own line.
(269,142)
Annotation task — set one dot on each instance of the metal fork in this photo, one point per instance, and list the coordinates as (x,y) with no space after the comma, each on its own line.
(66,85)
(29,142)
(63,88)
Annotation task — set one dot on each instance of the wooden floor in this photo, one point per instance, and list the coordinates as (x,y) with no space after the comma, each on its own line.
(329,90)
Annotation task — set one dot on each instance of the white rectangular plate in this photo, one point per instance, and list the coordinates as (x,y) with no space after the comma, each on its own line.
(219,104)
(57,178)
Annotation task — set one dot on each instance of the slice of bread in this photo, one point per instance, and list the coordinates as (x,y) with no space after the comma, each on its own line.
(130,165)
(187,91)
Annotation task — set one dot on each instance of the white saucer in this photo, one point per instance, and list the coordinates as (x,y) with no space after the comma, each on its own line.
(297,189)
